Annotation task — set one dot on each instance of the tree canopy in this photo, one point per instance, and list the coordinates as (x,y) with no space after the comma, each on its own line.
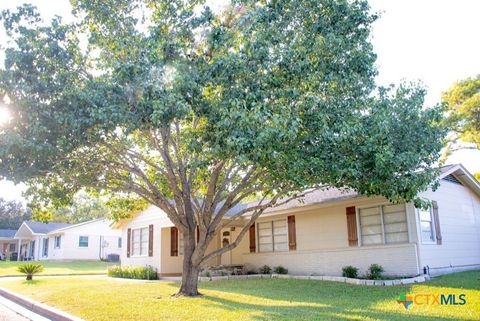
(12,214)
(196,110)
(463,103)
(83,208)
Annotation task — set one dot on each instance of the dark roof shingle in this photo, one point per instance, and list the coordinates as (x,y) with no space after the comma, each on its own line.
(7,233)
(44,228)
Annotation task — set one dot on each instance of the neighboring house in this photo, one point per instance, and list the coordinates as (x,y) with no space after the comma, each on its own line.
(8,244)
(92,240)
(332,229)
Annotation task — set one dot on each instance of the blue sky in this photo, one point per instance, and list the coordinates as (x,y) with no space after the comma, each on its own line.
(432,41)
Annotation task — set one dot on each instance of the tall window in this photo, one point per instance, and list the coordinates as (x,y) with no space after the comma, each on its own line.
(426,225)
(385,224)
(58,240)
(140,241)
(83,241)
(12,247)
(272,236)
(119,242)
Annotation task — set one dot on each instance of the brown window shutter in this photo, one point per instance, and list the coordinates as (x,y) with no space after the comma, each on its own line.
(150,240)
(198,233)
(292,233)
(253,247)
(436,220)
(173,241)
(129,237)
(352,226)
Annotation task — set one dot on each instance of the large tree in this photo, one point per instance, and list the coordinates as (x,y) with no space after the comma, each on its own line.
(196,110)
(463,103)
(12,214)
(83,208)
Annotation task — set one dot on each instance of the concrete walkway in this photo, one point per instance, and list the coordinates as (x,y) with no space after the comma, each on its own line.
(10,311)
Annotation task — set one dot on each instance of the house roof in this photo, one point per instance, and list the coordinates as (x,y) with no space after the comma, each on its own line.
(464,176)
(44,228)
(69,226)
(7,233)
(328,195)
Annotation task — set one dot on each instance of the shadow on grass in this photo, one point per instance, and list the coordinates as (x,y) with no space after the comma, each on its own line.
(326,312)
(333,300)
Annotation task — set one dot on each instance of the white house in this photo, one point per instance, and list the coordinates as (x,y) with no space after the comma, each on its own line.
(8,245)
(92,240)
(332,229)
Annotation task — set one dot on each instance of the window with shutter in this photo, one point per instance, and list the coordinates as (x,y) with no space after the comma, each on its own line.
(436,219)
(150,240)
(253,246)
(173,241)
(129,237)
(292,233)
(383,224)
(352,226)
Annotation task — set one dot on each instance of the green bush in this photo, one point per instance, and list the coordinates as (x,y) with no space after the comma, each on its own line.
(280,270)
(30,269)
(265,269)
(375,272)
(350,271)
(128,272)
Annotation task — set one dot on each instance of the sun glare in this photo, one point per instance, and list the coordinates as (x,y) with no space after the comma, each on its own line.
(4,115)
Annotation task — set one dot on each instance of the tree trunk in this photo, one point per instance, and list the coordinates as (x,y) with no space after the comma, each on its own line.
(189,285)
(191,270)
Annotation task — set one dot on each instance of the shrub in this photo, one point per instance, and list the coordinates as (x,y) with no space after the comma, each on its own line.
(375,271)
(265,269)
(350,271)
(127,272)
(30,269)
(280,270)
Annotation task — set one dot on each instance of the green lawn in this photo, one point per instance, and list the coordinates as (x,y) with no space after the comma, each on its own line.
(266,299)
(8,268)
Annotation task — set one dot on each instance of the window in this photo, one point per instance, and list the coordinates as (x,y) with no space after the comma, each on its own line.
(57,242)
(272,236)
(12,247)
(140,241)
(83,241)
(119,242)
(385,224)
(426,225)
(45,247)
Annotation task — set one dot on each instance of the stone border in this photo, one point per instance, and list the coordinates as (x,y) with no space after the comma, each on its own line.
(417,279)
(37,307)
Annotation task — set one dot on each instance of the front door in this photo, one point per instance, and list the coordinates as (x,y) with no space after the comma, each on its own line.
(227,256)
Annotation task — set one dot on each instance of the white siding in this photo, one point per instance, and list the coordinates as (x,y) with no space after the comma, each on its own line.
(152,215)
(459,213)
(99,233)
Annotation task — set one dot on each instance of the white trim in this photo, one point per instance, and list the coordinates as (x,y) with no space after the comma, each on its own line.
(380,206)
(434,232)
(88,242)
(285,219)
(148,228)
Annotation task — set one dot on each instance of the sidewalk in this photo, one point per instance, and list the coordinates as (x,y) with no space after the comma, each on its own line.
(10,311)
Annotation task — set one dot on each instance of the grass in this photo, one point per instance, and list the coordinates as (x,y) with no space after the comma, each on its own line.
(265,299)
(9,268)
